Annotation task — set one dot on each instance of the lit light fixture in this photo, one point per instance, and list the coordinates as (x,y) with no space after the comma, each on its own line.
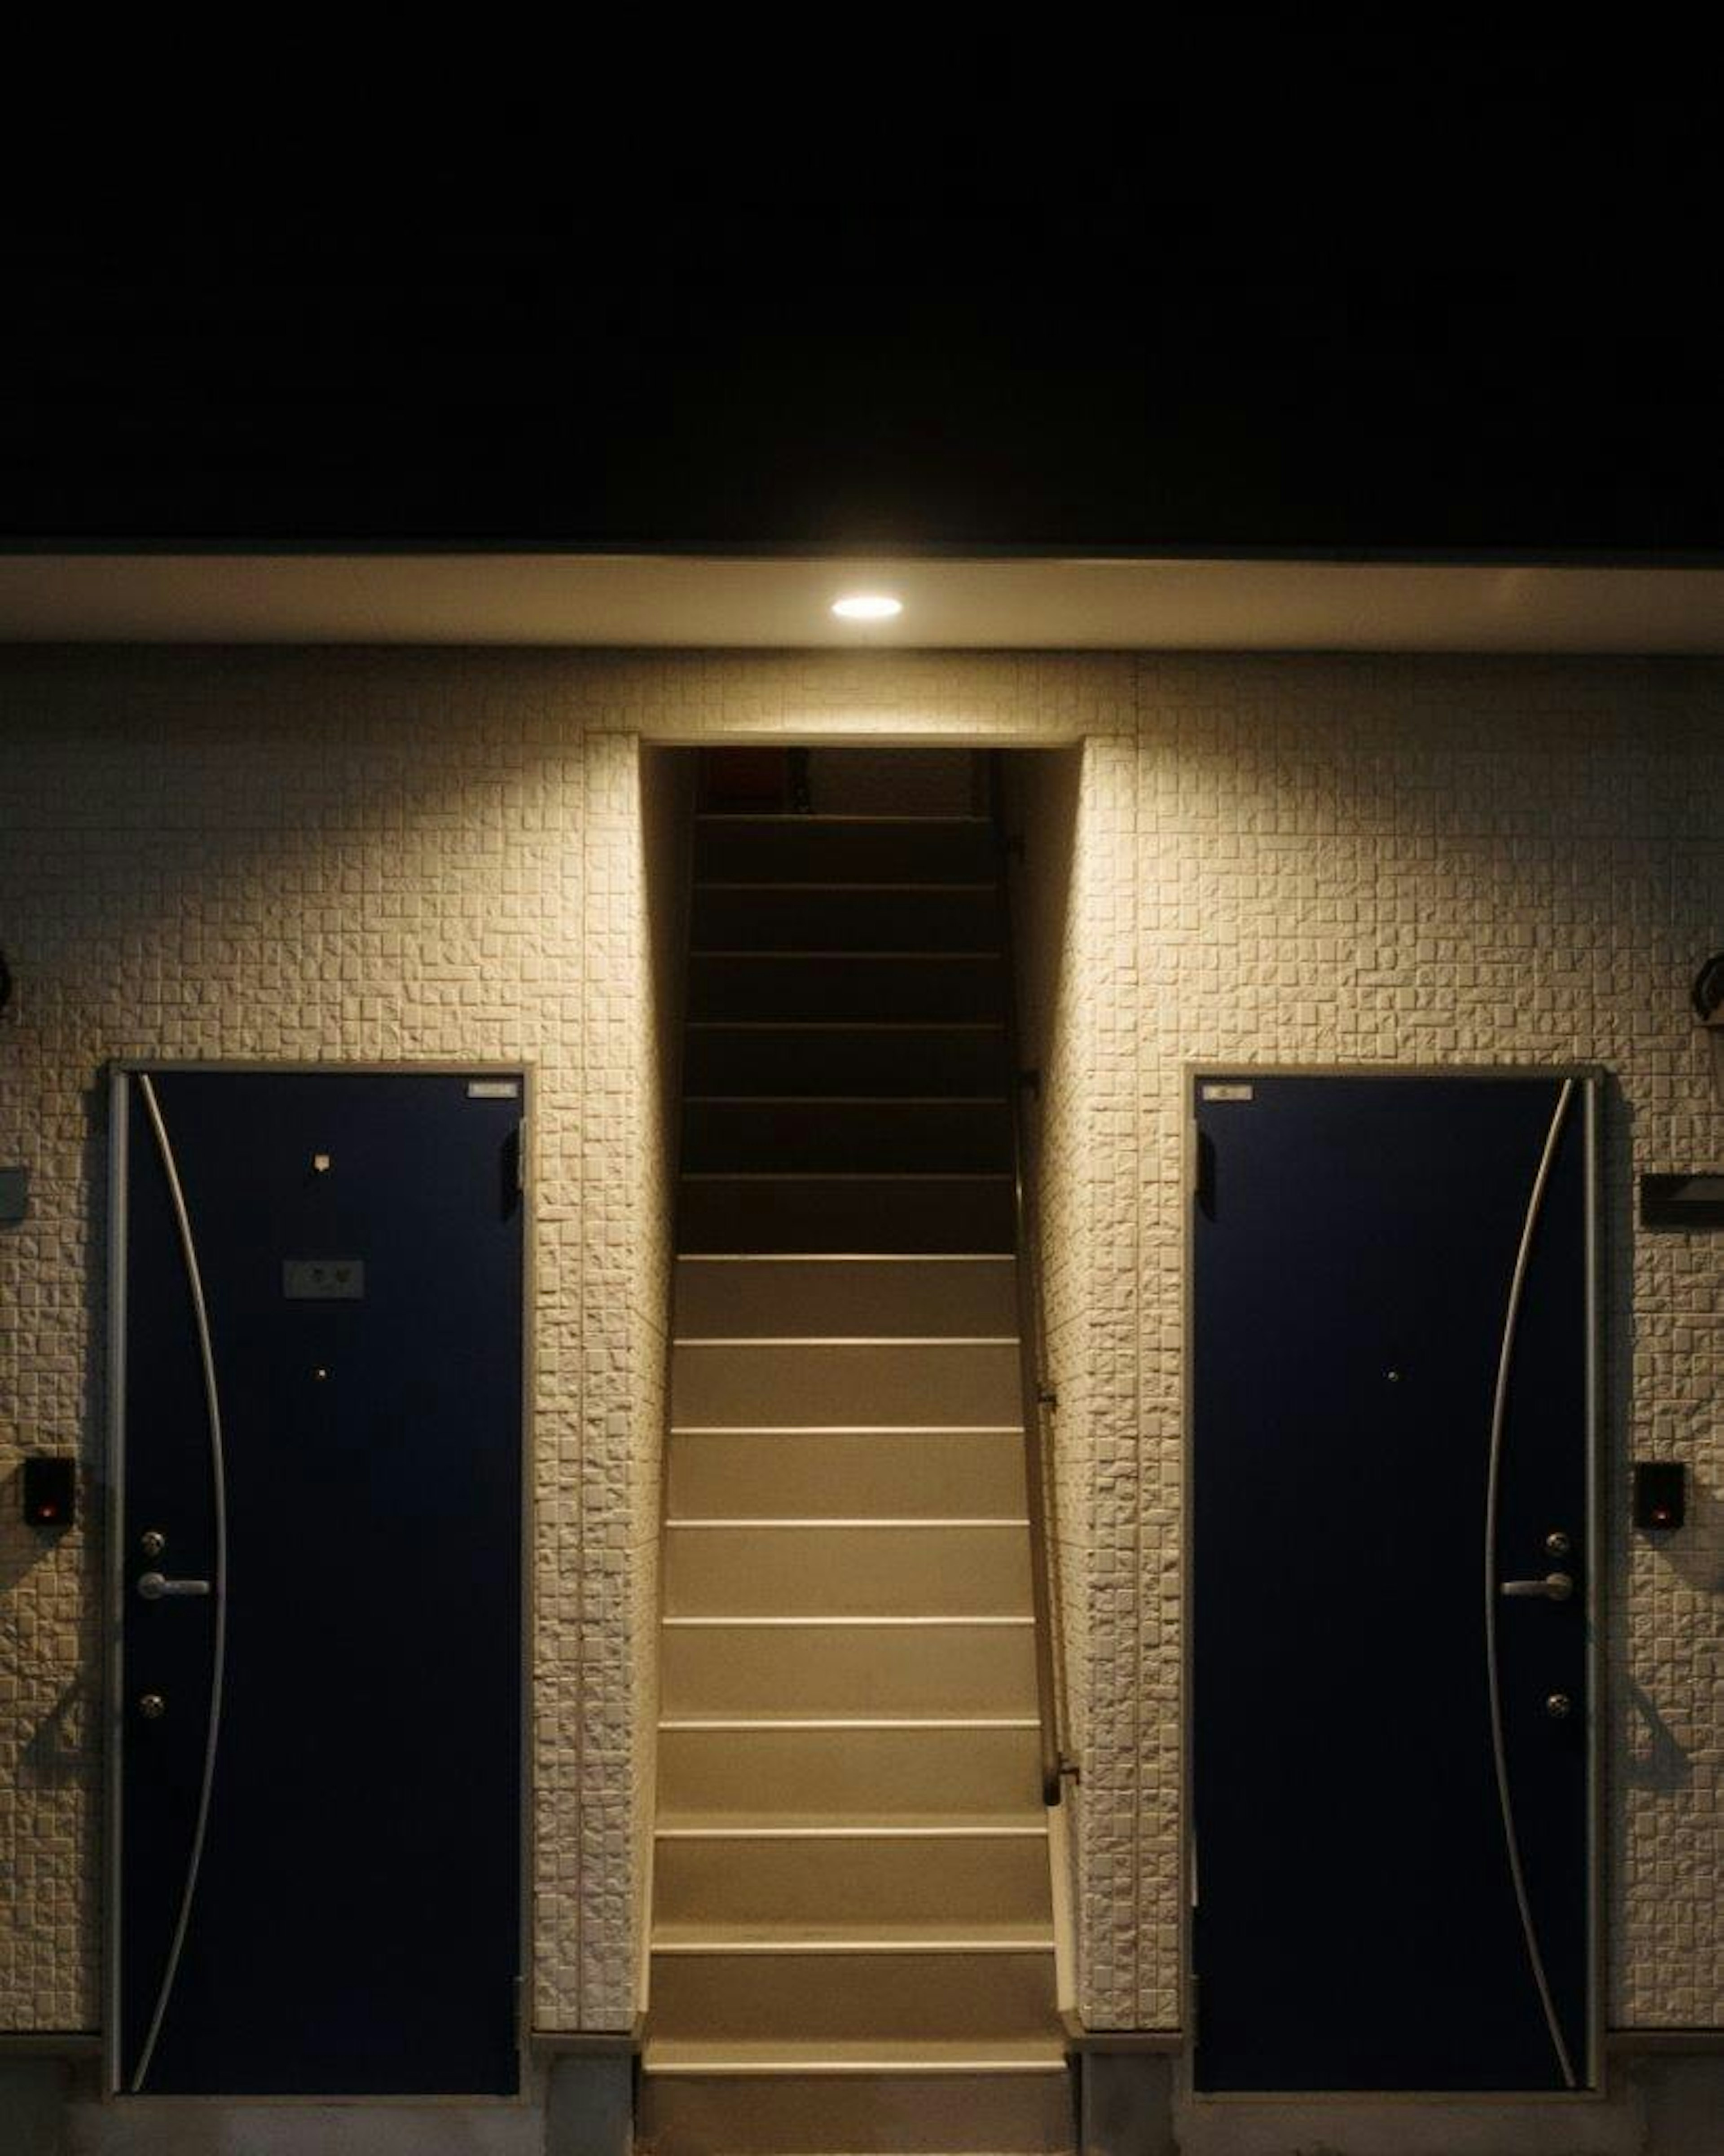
(867,606)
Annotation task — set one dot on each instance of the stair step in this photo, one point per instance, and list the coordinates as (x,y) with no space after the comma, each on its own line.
(1022,2055)
(889,1568)
(835,916)
(852,1887)
(740,1296)
(836,1135)
(992,1878)
(911,1214)
(822,1937)
(840,1726)
(844,985)
(850,1827)
(957,1769)
(845,849)
(834,2098)
(802,1473)
(750,1382)
(938,1667)
(884,1994)
(932,1057)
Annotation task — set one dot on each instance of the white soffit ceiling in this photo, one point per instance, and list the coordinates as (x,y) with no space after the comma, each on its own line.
(703,601)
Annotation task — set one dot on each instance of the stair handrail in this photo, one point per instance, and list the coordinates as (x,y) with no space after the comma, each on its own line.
(1037,1392)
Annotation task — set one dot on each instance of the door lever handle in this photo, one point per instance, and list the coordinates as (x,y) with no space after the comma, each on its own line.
(152,1586)
(1554,1587)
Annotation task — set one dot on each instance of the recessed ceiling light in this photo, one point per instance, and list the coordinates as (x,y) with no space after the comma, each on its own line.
(867,606)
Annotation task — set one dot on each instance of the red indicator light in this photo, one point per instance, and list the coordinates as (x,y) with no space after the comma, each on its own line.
(1659,1495)
(49,1491)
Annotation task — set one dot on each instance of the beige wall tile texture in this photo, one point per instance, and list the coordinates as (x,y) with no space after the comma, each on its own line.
(442,855)
(1434,862)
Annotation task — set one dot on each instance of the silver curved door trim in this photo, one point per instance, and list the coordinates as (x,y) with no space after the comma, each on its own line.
(1535,1205)
(194,1280)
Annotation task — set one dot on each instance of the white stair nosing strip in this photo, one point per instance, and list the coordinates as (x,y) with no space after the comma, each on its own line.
(797,955)
(843,1100)
(883,2068)
(845,1025)
(733,883)
(1037,1943)
(733,1621)
(706,1724)
(845,1258)
(830,1175)
(801,1521)
(850,1834)
(843,1340)
(929,1429)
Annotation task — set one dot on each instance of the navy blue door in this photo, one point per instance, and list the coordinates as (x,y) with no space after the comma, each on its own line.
(316,1572)
(1392,1759)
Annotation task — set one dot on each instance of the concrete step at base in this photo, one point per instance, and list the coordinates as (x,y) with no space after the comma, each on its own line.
(890,1879)
(790,1474)
(735,1297)
(856,2100)
(876,1997)
(954,1769)
(788,1569)
(937,1668)
(766,1384)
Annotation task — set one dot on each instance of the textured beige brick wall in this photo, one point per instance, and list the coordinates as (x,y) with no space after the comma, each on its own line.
(1075,895)
(442,855)
(1406,862)
(347,856)
(1430,862)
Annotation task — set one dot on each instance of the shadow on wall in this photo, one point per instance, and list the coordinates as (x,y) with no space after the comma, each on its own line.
(61,1749)
(1696,1554)
(1041,799)
(1653,1757)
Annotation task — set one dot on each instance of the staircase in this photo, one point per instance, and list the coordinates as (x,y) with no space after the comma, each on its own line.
(852,1944)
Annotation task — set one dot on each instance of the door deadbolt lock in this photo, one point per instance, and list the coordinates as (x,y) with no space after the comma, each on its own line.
(1557,1543)
(152,1706)
(1559,1707)
(152,1542)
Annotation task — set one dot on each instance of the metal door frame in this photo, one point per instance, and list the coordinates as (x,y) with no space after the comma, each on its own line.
(119,1073)
(1590,1080)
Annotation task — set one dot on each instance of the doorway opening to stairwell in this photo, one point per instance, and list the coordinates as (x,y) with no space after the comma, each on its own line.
(859,1852)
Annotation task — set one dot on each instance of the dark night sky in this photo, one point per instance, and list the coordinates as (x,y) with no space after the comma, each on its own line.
(1471,319)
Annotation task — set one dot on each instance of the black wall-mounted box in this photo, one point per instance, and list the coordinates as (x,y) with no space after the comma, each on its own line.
(50,1490)
(1682,1201)
(1660,1495)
